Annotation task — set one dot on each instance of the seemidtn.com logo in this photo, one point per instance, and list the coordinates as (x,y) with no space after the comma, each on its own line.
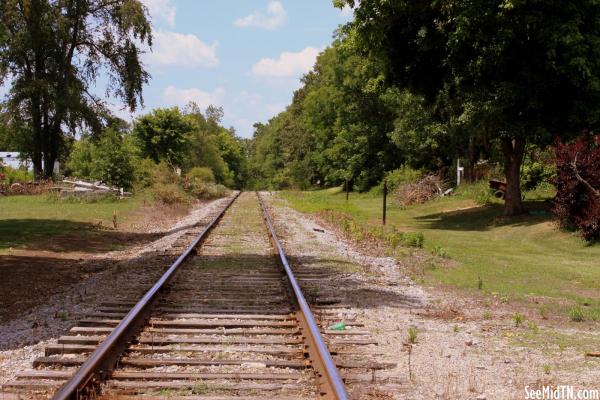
(561,392)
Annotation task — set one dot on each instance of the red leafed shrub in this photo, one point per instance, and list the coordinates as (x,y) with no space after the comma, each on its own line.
(577,202)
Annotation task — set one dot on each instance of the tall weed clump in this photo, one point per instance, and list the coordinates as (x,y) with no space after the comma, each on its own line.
(577,201)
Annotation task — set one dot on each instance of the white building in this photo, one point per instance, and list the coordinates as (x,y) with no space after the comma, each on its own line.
(13,159)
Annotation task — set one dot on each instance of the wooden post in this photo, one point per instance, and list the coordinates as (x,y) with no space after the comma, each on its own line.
(347,190)
(384,200)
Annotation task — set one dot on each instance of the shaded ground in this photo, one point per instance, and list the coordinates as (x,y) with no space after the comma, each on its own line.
(41,257)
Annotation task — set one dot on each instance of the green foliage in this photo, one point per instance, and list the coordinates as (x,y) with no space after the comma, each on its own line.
(202,174)
(109,160)
(206,190)
(518,318)
(112,161)
(10,175)
(163,135)
(80,160)
(170,194)
(537,169)
(412,335)
(143,170)
(509,72)
(576,314)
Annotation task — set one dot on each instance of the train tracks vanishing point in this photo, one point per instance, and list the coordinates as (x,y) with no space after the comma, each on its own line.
(227,323)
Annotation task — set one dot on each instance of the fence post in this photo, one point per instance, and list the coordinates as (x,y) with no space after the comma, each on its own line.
(384,200)
(347,190)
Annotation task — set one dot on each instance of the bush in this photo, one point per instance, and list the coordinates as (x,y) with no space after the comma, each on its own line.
(577,201)
(534,172)
(401,176)
(143,171)
(10,175)
(206,190)
(202,174)
(170,194)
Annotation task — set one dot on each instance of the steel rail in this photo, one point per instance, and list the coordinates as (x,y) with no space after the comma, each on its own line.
(332,386)
(101,362)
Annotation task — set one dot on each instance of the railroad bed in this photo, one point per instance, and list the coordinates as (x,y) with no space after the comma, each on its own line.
(228,324)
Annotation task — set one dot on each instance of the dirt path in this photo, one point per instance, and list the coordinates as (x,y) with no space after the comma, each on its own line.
(452,358)
(46,295)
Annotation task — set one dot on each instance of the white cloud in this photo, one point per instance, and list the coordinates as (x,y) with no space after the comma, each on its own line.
(248,98)
(287,65)
(161,10)
(275,18)
(186,50)
(182,97)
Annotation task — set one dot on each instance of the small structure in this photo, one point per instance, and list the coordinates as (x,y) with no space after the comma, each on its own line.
(13,159)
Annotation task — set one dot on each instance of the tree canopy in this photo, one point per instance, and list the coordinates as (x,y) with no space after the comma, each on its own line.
(517,71)
(52,53)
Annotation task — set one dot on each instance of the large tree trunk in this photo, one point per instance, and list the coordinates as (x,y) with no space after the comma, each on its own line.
(513,150)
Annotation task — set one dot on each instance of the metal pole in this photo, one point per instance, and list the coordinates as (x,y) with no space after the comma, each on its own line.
(384,200)
(347,190)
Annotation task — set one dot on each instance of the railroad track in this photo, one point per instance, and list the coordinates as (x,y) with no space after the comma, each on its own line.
(225,320)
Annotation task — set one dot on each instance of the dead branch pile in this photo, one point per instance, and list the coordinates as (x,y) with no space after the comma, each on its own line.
(91,189)
(427,188)
(27,188)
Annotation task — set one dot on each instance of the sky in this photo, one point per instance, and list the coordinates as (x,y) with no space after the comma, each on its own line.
(245,55)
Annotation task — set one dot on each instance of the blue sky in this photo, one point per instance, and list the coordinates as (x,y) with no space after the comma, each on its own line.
(244,55)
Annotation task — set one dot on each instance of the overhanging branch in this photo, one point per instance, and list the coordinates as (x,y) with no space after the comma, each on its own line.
(580,179)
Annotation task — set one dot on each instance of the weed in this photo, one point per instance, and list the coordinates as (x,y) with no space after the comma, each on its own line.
(413,239)
(518,319)
(533,326)
(487,315)
(504,300)
(412,335)
(455,329)
(62,315)
(576,314)
(543,312)
(479,283)
(440,252)
(547,369)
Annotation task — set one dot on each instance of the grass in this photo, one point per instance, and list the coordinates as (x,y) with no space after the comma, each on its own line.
(515,258)
(24,219)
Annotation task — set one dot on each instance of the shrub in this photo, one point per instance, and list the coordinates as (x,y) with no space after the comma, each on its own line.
(401,176)
(202,174)
(538,168)
(577,201)
(10,175)
(170,194)
(143,170)
(205,190)
(80,160)
(413,239)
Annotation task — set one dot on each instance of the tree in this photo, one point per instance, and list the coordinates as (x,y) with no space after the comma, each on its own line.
(518,71)
(163,135)
(52,53)
(111,162)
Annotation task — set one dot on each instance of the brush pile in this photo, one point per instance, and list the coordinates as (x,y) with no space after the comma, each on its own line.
(427,188)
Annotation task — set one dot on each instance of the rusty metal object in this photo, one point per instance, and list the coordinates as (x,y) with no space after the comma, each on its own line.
(498,187)
(102,361)
(330,382)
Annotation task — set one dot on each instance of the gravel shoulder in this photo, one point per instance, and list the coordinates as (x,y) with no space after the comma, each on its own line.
(24,336)
(462,350)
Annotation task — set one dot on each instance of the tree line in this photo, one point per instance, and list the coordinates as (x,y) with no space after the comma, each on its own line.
(426,82)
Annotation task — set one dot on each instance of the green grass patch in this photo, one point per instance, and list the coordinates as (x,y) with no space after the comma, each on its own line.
(512,257)
(24,219)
